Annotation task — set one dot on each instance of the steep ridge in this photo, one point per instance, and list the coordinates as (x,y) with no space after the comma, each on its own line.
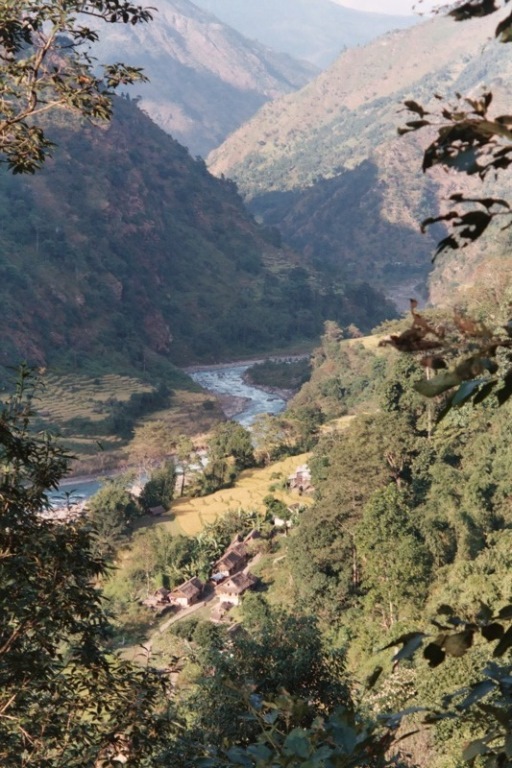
(124,251)
(309,152)
(337,120)
(205,78)
(314,30)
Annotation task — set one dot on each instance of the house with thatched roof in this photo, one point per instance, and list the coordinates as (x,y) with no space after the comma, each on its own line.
(236,556)
(232,561)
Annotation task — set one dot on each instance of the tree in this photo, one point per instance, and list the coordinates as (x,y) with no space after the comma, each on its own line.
(229,451)
(231,440)
(159,489)
(65,698)
(395,561)
(112,511)
(284,653)
(45,64)
(268,436)
(185,454)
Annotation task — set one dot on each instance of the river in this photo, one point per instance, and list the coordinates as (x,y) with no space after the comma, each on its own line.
(241,402)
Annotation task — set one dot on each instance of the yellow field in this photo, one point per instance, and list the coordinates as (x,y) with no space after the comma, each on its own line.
(368,342)
(191,515)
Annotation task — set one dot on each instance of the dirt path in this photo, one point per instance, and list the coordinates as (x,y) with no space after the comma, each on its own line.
(184,612)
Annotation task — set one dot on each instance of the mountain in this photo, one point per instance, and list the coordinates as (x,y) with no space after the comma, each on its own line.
(314,30)
(124,250)
(205,78)
(326,166)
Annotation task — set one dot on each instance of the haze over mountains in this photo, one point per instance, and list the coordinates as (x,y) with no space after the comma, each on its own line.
(315,30)
(205,78)
(326,166)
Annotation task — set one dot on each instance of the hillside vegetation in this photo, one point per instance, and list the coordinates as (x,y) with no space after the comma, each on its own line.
(125,253)
(332,150)
(406,538)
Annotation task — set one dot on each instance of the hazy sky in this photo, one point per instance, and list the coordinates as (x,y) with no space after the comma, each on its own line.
(389,6)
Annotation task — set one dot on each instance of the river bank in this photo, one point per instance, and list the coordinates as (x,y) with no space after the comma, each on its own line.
(239,400)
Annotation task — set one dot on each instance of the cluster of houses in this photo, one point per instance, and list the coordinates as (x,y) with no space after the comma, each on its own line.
(230,579)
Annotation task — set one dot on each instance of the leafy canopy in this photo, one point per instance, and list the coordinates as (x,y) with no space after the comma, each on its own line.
(46,64)
(469,139)
(65,698)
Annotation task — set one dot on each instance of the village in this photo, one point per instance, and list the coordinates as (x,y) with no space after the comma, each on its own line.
(230,576)
(229,580)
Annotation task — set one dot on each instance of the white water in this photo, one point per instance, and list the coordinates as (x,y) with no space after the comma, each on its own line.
(228,380)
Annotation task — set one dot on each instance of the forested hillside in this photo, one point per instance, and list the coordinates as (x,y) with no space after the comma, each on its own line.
(403,543)
(124,248)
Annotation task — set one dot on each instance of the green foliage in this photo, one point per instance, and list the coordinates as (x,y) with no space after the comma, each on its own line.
(344,375)
(46,66)
(159,489)
(185,629)
(395,562)
(208,635)
(112,511)
(471,357)
(276,508)
(65,698)
(284,374)
(231,440)
(230,450)
(340,739)
(283,653)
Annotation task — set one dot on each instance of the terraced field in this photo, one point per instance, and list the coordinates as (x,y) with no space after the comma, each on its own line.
(93,418)
(189,516)
(63,398)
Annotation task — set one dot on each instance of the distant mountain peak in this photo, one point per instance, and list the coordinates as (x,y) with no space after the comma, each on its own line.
(314,30)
